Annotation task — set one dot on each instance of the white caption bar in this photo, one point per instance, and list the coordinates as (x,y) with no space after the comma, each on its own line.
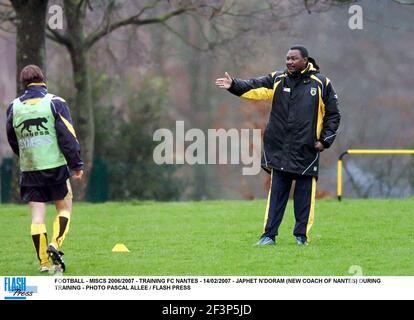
(205,288)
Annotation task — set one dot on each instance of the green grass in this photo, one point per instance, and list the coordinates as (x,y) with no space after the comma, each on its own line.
(216,237)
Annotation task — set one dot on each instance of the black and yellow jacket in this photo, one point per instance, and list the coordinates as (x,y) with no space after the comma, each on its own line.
(304,110)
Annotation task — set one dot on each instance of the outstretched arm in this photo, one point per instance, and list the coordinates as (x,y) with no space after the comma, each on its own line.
(254,89)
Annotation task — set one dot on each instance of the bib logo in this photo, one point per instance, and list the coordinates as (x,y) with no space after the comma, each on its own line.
(16,288)
(38,122)
(29,137)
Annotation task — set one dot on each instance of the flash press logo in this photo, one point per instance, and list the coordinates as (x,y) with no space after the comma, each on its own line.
(202,149)
(16,288)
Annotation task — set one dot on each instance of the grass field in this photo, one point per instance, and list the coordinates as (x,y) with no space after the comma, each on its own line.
(216,238)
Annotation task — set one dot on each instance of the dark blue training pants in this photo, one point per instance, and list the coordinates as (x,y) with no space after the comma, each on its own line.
(304,203)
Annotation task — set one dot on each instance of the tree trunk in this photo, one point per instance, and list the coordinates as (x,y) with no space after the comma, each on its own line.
(199,72)
(30,49)
(83,109)
(31,36)
(83,117)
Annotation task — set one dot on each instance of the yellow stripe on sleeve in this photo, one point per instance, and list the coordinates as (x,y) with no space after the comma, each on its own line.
(68,125)
(258,94)
(261,93)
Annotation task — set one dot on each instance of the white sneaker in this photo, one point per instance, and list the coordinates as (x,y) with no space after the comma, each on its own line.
(44,269)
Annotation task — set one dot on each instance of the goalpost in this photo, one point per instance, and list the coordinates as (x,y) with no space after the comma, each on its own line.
(363,151)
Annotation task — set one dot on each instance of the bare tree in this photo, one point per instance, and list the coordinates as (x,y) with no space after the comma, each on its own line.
(78,43)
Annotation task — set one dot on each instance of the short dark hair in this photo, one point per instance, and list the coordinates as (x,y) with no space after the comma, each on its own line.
(31,73)
(303,51)
(305,54)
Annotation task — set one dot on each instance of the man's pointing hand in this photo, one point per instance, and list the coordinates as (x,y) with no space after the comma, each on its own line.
(224,83)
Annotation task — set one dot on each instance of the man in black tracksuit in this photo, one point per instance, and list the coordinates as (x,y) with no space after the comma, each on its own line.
(303,122)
